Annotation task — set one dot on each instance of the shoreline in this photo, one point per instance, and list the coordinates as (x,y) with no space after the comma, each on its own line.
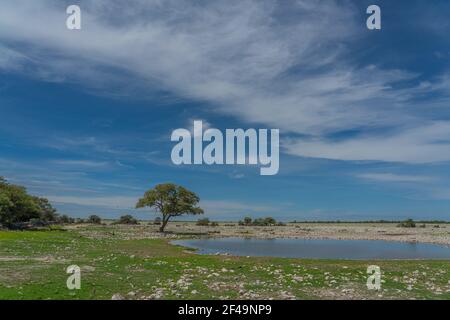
(328,231)
(431,234)
(444,244)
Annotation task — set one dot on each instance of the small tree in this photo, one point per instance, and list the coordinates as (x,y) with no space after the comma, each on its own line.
(126,219)
(157,221)
(16,205)
(46,210)
(409,223)
(170,200)
(269,221)
(259,222)
(203,222)
(64,219)
(94,219)
(247,221)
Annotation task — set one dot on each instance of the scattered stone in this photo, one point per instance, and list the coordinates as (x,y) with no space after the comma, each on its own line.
(117,296)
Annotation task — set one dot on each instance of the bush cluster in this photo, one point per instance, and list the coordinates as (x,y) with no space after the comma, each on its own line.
(126,219)
(407,224)
(206,222)
(269,221)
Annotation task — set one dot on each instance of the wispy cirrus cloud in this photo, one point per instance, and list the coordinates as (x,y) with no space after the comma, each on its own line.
(81,163)
(392,177)
(282,65)
(114,202)
(423,144)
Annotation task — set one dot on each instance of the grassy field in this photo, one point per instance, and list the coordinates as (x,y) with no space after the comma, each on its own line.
(33,265)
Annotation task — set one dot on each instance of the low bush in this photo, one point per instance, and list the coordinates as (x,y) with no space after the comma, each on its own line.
(203,222)
(65,219)
(407,224)
(269,221)
(127,219)
(94,219)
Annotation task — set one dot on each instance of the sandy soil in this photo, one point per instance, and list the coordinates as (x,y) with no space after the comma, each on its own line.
(431,233)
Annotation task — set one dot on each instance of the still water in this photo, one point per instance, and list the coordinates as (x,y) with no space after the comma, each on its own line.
(318,249)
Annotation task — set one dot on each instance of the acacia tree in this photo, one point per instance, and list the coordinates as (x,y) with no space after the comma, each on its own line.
(170,200)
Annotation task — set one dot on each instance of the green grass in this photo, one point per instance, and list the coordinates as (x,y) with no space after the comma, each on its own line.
(33,264)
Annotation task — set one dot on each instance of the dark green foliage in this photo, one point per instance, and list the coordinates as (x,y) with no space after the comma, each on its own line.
(46,211)
(170,200)
(157,221)
(203,222)
(269,221)
(94,219)
(65,219)
(259,222)
(127,219)
(18,207)
(408,224)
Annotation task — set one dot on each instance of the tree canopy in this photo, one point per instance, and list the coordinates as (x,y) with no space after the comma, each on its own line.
(170,200)
(17,206)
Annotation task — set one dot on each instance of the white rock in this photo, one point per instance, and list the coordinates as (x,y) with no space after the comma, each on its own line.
(117,296)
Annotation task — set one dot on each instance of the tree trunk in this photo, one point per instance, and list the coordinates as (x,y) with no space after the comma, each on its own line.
(164,223)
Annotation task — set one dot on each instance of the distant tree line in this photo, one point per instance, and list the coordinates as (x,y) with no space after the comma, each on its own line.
(171,201)
(205,222)
(268,221)
(126,219)
(374,221)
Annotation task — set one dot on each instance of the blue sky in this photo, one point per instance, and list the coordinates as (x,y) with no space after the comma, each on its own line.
(364,117)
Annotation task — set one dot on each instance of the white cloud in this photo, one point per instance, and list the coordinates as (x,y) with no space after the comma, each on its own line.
(425,144)
(284,65)
(392,177)
(11,60)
